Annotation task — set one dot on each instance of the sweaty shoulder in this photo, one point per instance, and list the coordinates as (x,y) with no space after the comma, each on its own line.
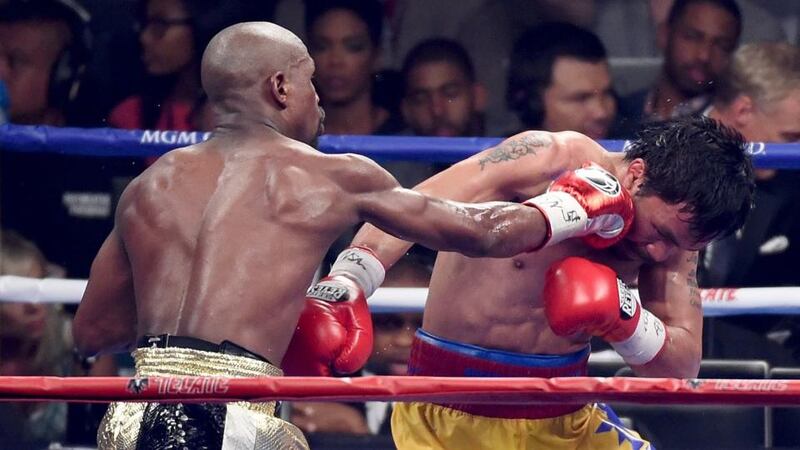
(356,173)
(579,149)
(157,179)
(524,164)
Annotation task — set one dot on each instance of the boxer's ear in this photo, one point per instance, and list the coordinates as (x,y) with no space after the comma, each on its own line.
(277,89)
(634,176)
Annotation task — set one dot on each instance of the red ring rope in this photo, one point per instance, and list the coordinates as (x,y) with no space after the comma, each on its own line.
(388,388)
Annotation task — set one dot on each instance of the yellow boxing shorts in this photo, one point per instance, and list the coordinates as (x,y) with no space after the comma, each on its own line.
(480,426)
(235,425)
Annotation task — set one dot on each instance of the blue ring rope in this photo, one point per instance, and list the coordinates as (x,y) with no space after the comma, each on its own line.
(143,143)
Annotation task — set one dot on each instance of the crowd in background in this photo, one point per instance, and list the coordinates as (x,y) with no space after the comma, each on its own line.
(391,67)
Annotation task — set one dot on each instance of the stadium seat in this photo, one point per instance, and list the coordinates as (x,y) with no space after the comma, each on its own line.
(786,421)
(688,427)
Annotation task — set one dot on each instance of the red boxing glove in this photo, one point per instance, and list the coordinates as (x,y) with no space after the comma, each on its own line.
(334,333)
(588,202)
(582,296)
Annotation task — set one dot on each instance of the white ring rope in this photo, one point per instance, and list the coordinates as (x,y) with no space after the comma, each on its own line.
(716,302)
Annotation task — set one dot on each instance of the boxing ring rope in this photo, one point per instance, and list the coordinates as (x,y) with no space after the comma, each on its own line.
(716,302)
(143,143)
(564,390)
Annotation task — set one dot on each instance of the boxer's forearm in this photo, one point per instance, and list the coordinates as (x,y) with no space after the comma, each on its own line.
(495,229)
(680,357)
(387,248)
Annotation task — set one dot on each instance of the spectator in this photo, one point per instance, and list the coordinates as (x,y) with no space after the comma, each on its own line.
(173,35)
(344,39)
(44,48)
(441,96)
(760,97)
(559,80)
(628,29)
(34,340)
(489,31)
(697,41)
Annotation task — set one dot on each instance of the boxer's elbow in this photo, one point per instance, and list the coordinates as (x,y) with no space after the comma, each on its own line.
(681,359)
(507,231)
(86,339)
(686,348)
(92,339)
(692,366)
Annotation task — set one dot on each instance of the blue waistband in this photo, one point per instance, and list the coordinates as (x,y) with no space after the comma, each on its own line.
(504,357)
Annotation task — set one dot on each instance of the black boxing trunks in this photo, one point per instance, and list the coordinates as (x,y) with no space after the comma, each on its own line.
(236,425)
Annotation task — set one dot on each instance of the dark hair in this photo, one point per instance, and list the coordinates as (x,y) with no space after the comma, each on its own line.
(369,11)
(439,50)
(68,70)
(209,17)
(702,163)
(206,19)
(680,6)
(531,67)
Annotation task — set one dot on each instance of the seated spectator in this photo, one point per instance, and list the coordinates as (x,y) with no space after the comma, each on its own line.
(488,32)
(173,35)
(628,29)
(344,39)
(441,96)
(760,97)
(34,340)
(559,80)
(44,48)
(697,41)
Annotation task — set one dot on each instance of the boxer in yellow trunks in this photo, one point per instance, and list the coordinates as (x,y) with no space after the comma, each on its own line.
(215,244)
(453,426)
(687,182)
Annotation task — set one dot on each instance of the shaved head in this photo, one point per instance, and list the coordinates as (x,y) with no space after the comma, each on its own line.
(242,55)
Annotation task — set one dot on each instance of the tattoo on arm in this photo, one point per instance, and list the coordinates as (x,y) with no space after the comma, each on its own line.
(691,281)
(513,149)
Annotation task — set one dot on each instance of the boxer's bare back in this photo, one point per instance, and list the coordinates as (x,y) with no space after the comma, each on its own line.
(220,240)
(227,252)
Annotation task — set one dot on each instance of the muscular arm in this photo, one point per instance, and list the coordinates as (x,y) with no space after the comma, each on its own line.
(519,167)
(106,317)
(670,292)
(492,229)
